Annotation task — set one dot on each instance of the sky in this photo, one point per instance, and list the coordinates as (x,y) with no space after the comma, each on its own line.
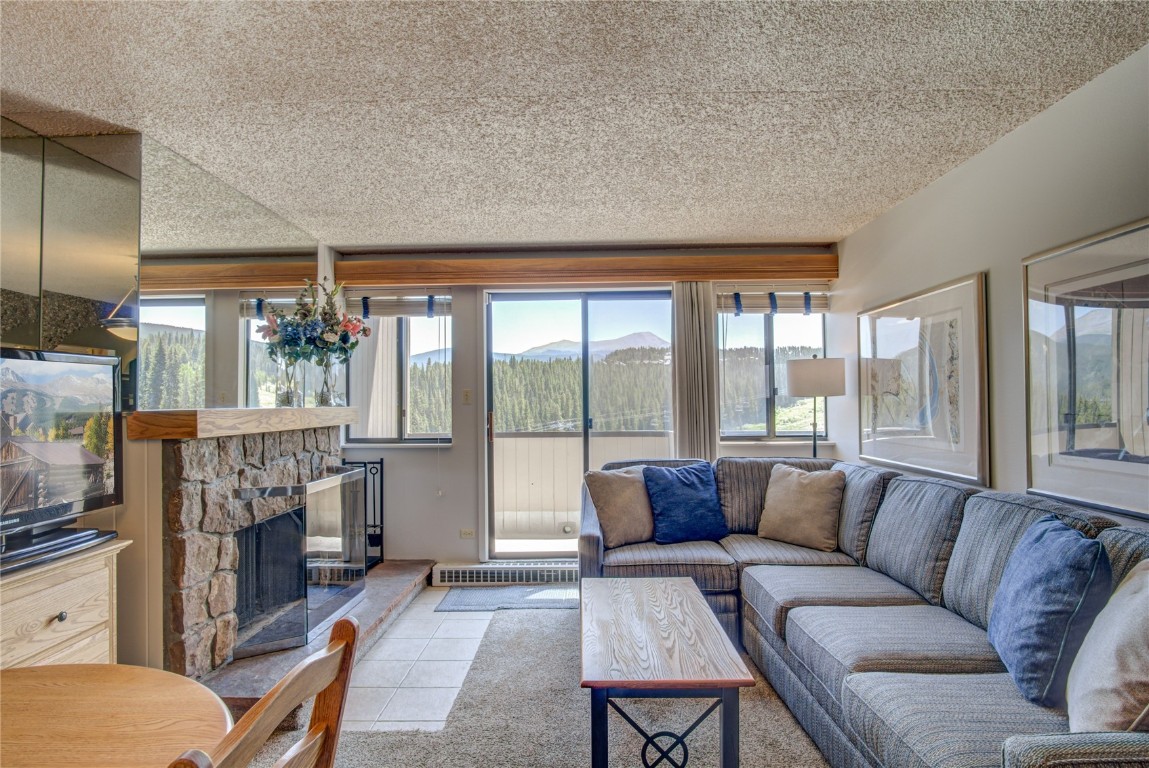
(523,325)
(180,317)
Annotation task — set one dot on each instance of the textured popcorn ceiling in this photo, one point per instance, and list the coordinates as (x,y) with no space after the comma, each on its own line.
(395,124)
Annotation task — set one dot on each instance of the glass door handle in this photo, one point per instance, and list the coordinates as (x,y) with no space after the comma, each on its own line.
(490,426)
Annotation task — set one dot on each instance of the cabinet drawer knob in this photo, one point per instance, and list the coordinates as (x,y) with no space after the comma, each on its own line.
(62,616)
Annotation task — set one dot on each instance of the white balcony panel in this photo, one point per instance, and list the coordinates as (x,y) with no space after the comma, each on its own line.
(537,482)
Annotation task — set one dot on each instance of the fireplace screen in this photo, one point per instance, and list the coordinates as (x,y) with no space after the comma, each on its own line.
(301,570)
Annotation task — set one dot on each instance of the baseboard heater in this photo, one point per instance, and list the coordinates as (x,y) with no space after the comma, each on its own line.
(505,572)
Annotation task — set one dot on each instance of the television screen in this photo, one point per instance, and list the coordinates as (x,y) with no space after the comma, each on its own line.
(59,437)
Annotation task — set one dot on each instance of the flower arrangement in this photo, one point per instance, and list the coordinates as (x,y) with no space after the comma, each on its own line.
(316,330)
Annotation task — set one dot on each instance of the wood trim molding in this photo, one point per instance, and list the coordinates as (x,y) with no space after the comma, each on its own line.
(589,269)
(222,422)
(273,274)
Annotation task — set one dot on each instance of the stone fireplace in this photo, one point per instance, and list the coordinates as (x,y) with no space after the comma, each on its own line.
(201,556)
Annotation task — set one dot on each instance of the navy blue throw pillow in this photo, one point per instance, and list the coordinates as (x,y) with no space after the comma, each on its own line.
(1054,585)
(685,504)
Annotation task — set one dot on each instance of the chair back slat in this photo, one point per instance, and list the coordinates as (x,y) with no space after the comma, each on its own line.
(324,675)
(306,752)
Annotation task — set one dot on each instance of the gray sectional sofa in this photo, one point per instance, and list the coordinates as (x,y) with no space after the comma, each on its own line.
(880,648)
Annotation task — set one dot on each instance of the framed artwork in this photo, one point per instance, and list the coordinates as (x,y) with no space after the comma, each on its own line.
(1087,370)
(922,382)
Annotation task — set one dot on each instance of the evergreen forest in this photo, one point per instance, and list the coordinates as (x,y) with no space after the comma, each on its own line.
(171,367)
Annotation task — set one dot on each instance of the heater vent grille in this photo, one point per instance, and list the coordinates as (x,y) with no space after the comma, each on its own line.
(505,572)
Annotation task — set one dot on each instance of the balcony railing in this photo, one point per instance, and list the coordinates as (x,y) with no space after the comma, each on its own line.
(538,477)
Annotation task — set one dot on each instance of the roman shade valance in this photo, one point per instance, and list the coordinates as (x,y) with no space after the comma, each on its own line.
(771,298)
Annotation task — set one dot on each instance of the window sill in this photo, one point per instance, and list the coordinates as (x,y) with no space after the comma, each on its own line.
(781,442)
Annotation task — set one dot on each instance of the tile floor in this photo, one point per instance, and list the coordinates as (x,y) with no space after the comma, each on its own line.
(409,679)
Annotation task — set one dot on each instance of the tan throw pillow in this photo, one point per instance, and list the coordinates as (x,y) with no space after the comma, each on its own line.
(623,505)
(1108,686)
(802,507)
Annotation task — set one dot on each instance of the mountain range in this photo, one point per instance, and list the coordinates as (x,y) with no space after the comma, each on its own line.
(564,348)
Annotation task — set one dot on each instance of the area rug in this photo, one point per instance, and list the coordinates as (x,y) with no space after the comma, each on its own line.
(521,707)
(509,597)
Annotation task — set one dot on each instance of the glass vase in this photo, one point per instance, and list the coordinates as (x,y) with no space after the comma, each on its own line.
(287,394)
(328,394)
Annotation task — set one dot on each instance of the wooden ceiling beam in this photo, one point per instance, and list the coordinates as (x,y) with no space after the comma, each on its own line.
(272,274)
(499,270)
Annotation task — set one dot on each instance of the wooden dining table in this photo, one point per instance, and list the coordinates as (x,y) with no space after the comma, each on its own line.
(110,715)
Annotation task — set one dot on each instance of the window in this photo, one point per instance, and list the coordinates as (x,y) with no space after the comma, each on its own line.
(172,358)
(754,345)
(400,375)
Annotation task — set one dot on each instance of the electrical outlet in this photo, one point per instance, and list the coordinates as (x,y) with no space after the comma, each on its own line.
(468,397)
(466,533)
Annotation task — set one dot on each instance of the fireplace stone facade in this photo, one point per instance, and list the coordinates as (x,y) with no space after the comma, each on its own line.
(202,516)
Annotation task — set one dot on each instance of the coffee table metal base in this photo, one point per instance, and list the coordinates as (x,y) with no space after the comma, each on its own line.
(664,746)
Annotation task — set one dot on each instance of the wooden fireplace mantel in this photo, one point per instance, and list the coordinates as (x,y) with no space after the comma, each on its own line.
(223,422)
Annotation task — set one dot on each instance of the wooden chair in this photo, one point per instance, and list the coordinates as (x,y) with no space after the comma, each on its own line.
(325,675)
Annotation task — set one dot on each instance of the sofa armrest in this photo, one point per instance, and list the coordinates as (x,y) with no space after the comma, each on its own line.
(589,539)
(1077,750)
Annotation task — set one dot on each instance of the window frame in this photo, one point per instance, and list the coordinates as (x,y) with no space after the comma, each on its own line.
(403,363)
(193,299)
(771,365)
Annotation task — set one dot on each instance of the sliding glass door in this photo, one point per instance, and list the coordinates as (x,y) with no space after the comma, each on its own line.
(629,377)
(574,380)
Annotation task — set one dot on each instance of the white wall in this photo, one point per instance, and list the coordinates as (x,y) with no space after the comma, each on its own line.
(430,492)
(1077,169)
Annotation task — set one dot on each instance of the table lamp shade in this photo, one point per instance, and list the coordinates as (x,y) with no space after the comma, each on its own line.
(817,377)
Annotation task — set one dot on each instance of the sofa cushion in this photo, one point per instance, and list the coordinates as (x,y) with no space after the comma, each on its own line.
(865,487)
(1054,585)
(623,505)
(1108,687)
(748,549)
(775,589)
(711,567)
(684,501)
(802,507)
(914,532)
(1126,547)
(991,526)
(923,720)
(742,486)
(832,642)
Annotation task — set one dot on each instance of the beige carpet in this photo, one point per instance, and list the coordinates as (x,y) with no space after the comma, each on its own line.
(521,706)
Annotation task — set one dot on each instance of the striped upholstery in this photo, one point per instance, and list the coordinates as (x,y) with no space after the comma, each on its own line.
(775,589)
(926,721)
(650,463)
(1080,750)
(725,607)
(990,529)
(763,624)
(590,548)
(1126,547)
(832,642)
(822,729)
(742,487)
(914,532)
(712,569)
(865,487)
(748,549)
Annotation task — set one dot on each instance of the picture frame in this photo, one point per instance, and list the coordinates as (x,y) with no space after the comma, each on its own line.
(1087,344)
(922,382)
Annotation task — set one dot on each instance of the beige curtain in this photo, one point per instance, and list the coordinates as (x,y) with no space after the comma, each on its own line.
(695,362)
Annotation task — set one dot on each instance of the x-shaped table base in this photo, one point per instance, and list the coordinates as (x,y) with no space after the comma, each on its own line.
(664,746)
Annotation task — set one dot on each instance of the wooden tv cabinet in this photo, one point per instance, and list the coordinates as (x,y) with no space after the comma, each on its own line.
(61,612)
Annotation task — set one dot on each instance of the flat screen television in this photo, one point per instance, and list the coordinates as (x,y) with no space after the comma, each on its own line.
(60,442)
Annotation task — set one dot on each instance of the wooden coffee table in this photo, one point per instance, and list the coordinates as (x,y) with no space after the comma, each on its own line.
(657,638)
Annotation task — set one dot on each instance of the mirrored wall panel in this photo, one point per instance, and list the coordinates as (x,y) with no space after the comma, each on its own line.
(21,160)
